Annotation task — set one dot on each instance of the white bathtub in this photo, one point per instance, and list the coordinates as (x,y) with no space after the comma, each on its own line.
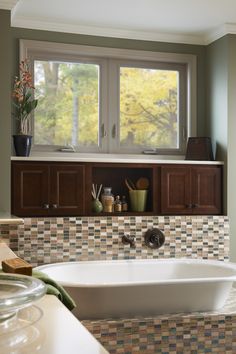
(128,288)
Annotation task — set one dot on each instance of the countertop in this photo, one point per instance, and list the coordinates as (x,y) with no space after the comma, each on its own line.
(112,158)
(9,219)
(57,332)
(5,252)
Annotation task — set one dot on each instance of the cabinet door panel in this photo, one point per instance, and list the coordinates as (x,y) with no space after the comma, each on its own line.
(206,190)
(175,190)
(30,189)
(67,189)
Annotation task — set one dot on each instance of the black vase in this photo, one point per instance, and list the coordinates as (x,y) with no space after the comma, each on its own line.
(22,144)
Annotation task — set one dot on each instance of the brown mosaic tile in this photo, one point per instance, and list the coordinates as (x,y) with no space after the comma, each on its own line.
(47,240)
(9,235)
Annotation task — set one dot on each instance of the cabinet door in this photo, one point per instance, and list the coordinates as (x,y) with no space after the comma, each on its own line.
(175,190)
(30,193)
(67,189)
(206,190)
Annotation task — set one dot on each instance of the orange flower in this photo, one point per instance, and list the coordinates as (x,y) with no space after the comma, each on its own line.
(23,95)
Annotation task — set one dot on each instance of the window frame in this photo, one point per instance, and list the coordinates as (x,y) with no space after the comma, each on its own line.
(109,60)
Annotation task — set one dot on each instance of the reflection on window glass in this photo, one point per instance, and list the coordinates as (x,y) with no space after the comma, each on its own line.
(68,112)
(148,108)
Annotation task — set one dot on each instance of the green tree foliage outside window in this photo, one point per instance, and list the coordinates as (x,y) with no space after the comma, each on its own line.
(148,107)
(68,110)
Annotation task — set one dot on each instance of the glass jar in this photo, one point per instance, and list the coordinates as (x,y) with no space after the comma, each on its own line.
(124,205)
(107,199)
(117,204)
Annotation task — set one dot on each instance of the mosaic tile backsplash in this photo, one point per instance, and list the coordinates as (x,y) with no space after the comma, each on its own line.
(47,240)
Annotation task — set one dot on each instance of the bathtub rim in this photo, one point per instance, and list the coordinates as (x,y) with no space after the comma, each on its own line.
(230,265)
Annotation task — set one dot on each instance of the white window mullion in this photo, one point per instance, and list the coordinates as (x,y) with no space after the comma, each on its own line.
(183,124)
(113,107)
(103,108)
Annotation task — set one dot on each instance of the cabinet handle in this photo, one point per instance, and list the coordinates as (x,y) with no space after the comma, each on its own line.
(45,206)
(188,206)
(195,205)
(55,206)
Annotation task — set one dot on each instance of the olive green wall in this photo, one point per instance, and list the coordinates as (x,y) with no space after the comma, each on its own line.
(232,143)
(199,51)
(217,102)
(221,113)
(217,95)
(5,110)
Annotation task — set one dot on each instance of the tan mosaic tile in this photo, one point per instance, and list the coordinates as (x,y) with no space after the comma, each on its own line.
(47,240)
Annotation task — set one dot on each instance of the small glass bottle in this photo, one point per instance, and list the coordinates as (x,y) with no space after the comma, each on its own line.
(107,199)
(124,205)
(117,205)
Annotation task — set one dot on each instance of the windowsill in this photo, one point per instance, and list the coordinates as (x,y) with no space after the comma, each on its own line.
(111,158)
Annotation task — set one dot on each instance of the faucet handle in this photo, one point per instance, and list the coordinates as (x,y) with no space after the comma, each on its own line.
(154,238)
(128,240)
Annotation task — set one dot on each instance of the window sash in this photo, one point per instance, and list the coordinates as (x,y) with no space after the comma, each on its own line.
(103,99)
(110,60)
(114,112)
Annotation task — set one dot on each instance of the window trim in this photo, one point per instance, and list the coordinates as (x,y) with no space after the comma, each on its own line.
(36,50)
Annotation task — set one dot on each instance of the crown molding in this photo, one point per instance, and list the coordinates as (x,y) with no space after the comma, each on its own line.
(221,31)
(24,22)
(40,24)
(7,4)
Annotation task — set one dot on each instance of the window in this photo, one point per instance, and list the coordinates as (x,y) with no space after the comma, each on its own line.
(69,103)
(111,100)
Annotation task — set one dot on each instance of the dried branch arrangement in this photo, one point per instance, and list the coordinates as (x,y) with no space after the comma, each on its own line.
(96,190)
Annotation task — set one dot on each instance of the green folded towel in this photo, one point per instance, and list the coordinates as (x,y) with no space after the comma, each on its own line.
(54,288)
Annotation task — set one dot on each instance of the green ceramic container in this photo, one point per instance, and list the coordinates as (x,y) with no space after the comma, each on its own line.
(138,199)
(96,206)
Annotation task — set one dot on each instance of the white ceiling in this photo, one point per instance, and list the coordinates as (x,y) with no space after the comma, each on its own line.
(186,21)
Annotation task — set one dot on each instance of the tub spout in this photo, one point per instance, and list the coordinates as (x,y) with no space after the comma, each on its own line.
(128,240)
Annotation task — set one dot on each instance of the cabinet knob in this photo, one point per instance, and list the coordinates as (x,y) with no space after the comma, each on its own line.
(45,206)
(55,206)
(188,206)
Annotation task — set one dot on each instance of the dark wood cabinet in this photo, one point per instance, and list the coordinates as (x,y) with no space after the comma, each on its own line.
(206,190)
(64,189)
(30,189)
(175,190)
(191,190)
(48,189)
(67,189)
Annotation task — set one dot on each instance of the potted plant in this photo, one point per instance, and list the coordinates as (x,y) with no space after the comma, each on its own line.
(24,103)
